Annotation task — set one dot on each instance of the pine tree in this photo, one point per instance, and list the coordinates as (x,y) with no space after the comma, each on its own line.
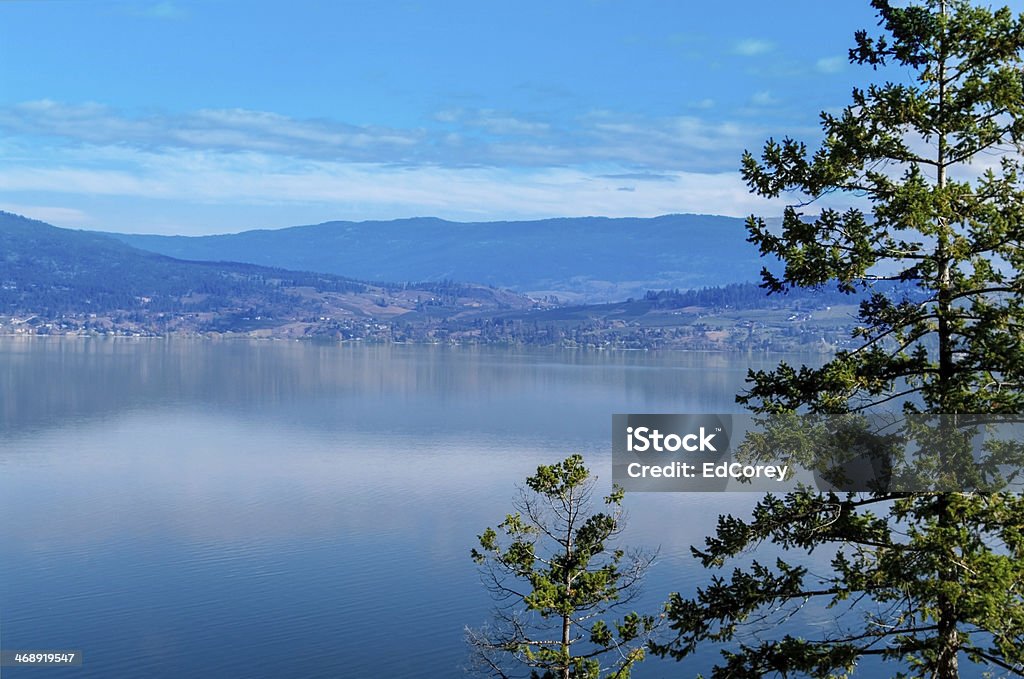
(558,581)
(921,579)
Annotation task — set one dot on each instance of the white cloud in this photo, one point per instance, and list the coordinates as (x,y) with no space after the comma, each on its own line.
(480,137)
(752,47)
(763,98)
(667,143)
(353,190)
(484,164)
(449,115)
(507,125)
(830,64)
(50,214)
(221,129)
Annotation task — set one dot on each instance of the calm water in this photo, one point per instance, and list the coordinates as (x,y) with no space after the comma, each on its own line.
(272,509)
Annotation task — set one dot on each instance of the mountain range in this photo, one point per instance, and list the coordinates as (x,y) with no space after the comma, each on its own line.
(63,280)
(589,259)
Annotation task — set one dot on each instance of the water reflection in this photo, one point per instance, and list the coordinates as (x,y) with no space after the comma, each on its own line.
(308,507)
(46,381)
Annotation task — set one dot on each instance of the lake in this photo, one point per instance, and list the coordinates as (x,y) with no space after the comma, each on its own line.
(282,509)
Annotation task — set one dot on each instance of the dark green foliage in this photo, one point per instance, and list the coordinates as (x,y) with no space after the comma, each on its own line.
(558,579)
(924,580)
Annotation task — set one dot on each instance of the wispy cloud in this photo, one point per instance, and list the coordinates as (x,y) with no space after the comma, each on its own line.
(49,213)
(830,64)
(354,190)
(642,176)
(459,138)
(448,115)
(667,143)
(752,47)
(220,129)
(471,164)
(507,125)
(763,98)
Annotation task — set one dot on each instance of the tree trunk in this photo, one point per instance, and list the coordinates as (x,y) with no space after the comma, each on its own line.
(946,662)
(565,645)
(567,618)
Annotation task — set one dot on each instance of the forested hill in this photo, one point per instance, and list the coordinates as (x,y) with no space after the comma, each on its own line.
(89,281)
(586,259)
(50,270)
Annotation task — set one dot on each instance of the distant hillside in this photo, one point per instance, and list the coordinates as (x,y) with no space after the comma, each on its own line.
(59,281)
(89,281)
(47,269)
(588,258)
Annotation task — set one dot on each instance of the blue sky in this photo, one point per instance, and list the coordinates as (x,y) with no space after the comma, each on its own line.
(222,115)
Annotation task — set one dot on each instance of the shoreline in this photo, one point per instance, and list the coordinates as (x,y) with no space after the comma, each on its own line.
(319,340)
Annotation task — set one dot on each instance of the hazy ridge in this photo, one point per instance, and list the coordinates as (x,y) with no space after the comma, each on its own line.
(577,259)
